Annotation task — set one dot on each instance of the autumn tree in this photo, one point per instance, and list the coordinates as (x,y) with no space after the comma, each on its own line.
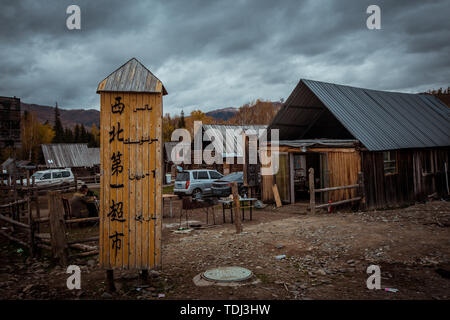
(169,125)
(259,112)
(33,135)
(197,115)
(94,137)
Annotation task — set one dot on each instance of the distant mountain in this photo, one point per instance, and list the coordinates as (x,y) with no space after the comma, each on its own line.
(222,114)
(69,118)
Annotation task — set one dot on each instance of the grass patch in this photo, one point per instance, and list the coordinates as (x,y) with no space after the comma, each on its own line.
(168,189)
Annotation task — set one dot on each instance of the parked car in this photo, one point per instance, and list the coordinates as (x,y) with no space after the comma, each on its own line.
(53,176)
(196,183)
(222,187)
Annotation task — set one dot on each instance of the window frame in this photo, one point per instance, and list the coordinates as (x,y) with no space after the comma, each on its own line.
(55,175)
(390,160)
(211,172)
(203,172)
(65,172)
(48,174)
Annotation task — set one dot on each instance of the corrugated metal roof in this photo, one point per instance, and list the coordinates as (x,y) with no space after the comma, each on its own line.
(66,155)
(94,155)
(380,120)
(230,139)
(133,76)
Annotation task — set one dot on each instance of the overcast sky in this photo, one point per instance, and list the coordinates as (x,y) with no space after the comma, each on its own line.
(216,54)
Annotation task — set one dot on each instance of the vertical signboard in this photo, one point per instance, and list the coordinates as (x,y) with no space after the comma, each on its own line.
(131,162)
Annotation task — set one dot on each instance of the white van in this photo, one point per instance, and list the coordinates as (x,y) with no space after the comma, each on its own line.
(53,176)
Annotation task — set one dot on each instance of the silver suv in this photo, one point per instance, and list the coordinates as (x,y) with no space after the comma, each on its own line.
(195,182)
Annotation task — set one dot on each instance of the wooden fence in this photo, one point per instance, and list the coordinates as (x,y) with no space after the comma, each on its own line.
(313,191)
(25,227)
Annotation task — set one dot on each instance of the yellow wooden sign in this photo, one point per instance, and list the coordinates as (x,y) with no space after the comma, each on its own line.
(131,162)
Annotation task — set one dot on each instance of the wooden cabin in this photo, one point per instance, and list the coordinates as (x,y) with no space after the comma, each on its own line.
(231,162)
(82,160)
(395,145)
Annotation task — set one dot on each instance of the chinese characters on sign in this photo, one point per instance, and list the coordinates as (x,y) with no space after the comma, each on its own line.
(118,163)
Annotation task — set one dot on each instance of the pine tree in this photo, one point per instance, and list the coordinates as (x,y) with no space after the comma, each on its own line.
(58,128)
(68,135)
(76,134)
(181,122)
(84,137)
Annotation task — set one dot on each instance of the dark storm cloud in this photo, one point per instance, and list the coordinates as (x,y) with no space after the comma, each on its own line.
(213,54)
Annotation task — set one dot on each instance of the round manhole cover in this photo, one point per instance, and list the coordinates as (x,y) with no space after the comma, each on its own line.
(226,274)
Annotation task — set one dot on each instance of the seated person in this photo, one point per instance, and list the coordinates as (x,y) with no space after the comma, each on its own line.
(83,203)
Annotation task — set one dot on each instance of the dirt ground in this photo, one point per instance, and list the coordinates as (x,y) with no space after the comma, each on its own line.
(326,258)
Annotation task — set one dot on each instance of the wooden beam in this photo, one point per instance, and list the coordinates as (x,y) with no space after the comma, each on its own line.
(325,205)
(84,254)
(90,239)
(306,107)
(57,227)
(10,237)
(353,186)
(81,220)
(14,222)
(83,247)
(276,195)
(237,209)
(13,203)
(312,194)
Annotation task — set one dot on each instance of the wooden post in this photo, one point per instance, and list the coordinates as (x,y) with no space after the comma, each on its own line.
(33,181)
(57,227)
(31,230)
(131,168)
(237,211)
(76,183)
(312,192)
(28,178)
(38,209)
(361,190)
(276,195)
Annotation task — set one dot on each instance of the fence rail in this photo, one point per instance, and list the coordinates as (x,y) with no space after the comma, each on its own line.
(312,192)
(56,240)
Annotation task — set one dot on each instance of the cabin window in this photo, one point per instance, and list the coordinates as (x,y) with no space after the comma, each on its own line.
(390,162)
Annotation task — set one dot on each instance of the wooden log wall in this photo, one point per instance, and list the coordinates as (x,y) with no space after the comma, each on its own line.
(410,183)
(343,168)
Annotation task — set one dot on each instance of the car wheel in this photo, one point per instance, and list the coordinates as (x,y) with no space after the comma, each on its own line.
(197,194)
